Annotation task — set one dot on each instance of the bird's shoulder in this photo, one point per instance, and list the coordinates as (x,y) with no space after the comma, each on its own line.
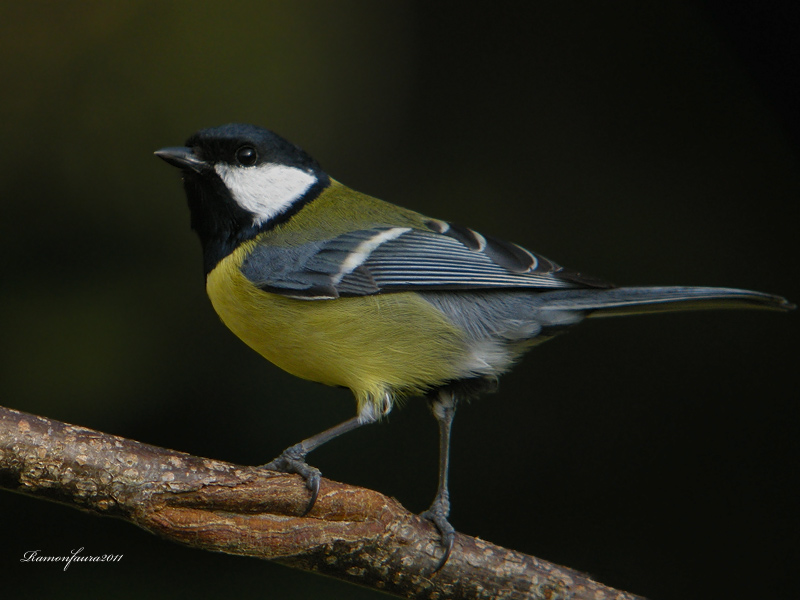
(349,244)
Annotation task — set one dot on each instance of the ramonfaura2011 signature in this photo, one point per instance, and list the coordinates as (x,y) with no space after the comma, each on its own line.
(74,555)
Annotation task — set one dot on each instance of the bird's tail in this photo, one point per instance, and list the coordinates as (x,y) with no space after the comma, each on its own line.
(642,300)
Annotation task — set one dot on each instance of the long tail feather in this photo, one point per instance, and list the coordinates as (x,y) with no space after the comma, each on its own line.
(641,300)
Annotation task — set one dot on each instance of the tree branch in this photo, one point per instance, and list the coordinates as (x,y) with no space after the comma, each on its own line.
(352,533)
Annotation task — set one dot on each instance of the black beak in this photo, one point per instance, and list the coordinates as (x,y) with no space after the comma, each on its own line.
(181,157)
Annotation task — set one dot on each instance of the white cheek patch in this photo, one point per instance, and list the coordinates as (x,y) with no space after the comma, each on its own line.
(266,190)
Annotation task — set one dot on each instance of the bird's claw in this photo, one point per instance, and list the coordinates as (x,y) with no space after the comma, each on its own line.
(437,514)
(292,460)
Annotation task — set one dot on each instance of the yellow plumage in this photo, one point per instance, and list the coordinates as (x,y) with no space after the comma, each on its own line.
(396,344)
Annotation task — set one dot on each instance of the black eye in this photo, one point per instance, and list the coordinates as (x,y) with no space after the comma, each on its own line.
(246,156)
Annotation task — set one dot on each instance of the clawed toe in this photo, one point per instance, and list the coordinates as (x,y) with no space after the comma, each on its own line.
(438,516)
(291,461)
(312,483)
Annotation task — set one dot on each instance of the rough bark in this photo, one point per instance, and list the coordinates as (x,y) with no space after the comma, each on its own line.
(352,533)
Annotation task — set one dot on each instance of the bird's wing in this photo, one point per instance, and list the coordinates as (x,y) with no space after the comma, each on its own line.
(393,259)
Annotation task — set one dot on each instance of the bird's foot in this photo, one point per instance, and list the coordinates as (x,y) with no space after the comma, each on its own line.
(438,513)
(292,460)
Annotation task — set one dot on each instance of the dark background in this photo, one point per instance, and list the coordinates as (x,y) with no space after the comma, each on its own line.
(641,142)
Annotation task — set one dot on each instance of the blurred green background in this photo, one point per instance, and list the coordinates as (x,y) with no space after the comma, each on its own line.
(640,142)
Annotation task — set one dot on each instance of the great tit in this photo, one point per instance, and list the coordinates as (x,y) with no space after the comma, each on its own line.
(338,287)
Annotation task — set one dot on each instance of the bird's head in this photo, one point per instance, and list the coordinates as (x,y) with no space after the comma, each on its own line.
(241,179)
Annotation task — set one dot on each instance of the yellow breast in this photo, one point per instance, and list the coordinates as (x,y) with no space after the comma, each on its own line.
(395,344)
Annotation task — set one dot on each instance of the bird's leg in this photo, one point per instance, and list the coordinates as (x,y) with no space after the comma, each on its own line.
(293,459)
(443,407)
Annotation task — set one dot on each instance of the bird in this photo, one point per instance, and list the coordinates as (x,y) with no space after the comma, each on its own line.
(338,287)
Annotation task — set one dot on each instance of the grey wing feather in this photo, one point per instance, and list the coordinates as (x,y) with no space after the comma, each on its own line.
(392,259)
